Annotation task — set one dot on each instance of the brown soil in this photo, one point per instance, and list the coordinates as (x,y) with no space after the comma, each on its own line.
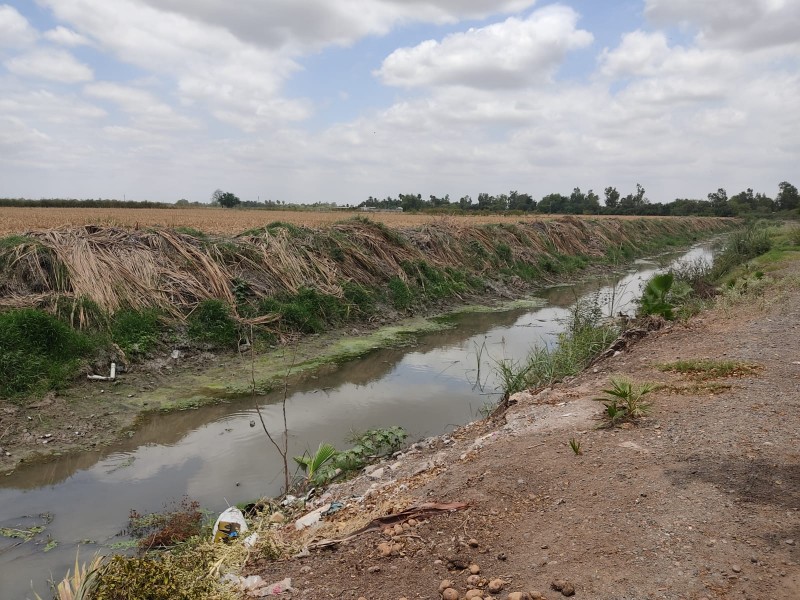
(699,500)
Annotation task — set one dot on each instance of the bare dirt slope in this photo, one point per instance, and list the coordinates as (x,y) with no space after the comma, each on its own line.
(701,500)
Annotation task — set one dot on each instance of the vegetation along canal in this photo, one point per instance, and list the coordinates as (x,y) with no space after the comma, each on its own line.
(216,456)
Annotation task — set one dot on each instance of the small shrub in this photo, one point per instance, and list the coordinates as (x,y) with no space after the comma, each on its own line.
(625,401)
(164,577)
(317,466)
(369,446)
(165,529)
(740,247)
(654,296)
(212,323)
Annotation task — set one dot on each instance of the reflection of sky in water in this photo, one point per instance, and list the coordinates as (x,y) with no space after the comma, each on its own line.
(217,458)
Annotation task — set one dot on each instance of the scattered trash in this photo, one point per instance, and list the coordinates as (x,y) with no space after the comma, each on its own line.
(112,376)
(255,586)
(334,508)
(276,589)
(251,540)
(229,526)
(311,518)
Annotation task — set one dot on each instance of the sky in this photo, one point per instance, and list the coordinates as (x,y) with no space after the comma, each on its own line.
(334,101)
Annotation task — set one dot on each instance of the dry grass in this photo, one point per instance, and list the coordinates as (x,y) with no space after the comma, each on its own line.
(221,221)
(119,268)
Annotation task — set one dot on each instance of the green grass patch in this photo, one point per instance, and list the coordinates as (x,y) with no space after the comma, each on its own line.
(399,293)
(39,352)
(710,369)
(211,323)
(137,332)
(308,311)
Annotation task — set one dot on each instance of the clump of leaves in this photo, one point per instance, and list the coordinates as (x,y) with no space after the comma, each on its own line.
(165,529)
(654,296)
(625,401)
(317,466)
(326,463)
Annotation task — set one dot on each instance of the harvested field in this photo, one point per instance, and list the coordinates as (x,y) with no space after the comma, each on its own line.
(222,221)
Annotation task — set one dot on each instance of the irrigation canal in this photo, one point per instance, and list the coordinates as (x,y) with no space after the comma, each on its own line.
(215,456)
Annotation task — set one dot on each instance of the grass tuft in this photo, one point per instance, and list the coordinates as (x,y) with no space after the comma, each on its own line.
(710,369)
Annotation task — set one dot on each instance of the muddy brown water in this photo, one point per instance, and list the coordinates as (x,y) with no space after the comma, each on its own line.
(215,456)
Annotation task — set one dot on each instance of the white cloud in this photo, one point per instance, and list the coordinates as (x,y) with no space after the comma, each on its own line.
(514,53)
(208,63)
(65,37)
(304,24)
(15,31)
(639,53)
(52,65)
(743,24)
(142,105)
(46,106)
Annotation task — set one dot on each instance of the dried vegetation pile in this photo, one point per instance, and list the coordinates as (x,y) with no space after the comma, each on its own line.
(174,271)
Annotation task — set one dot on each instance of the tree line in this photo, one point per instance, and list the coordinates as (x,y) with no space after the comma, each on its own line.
(717,203)
(588,203)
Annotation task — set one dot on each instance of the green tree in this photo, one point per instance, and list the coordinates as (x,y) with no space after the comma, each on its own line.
(224,199)
(612,197)
(787,198)
(719,203)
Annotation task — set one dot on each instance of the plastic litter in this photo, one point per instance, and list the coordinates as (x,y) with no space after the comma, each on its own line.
(335,507)
(229,526)
(275,589)
(311,518)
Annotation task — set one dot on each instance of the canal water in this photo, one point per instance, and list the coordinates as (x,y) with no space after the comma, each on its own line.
(215,456)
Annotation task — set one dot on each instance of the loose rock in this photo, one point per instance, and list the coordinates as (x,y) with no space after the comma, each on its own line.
(496,585)
(474,569)
(450,594)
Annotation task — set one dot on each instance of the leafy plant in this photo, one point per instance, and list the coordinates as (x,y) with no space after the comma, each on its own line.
(513,375)
(626,401)
(654,296)
(369,446)
(317,465)
(81,583)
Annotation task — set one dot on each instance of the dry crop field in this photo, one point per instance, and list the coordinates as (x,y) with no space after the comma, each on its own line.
(214,220)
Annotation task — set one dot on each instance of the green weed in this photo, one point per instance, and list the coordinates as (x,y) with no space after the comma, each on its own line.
(575,445)
(625,401)
(137,332)
(38,352)
(399,293)
(211,323)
